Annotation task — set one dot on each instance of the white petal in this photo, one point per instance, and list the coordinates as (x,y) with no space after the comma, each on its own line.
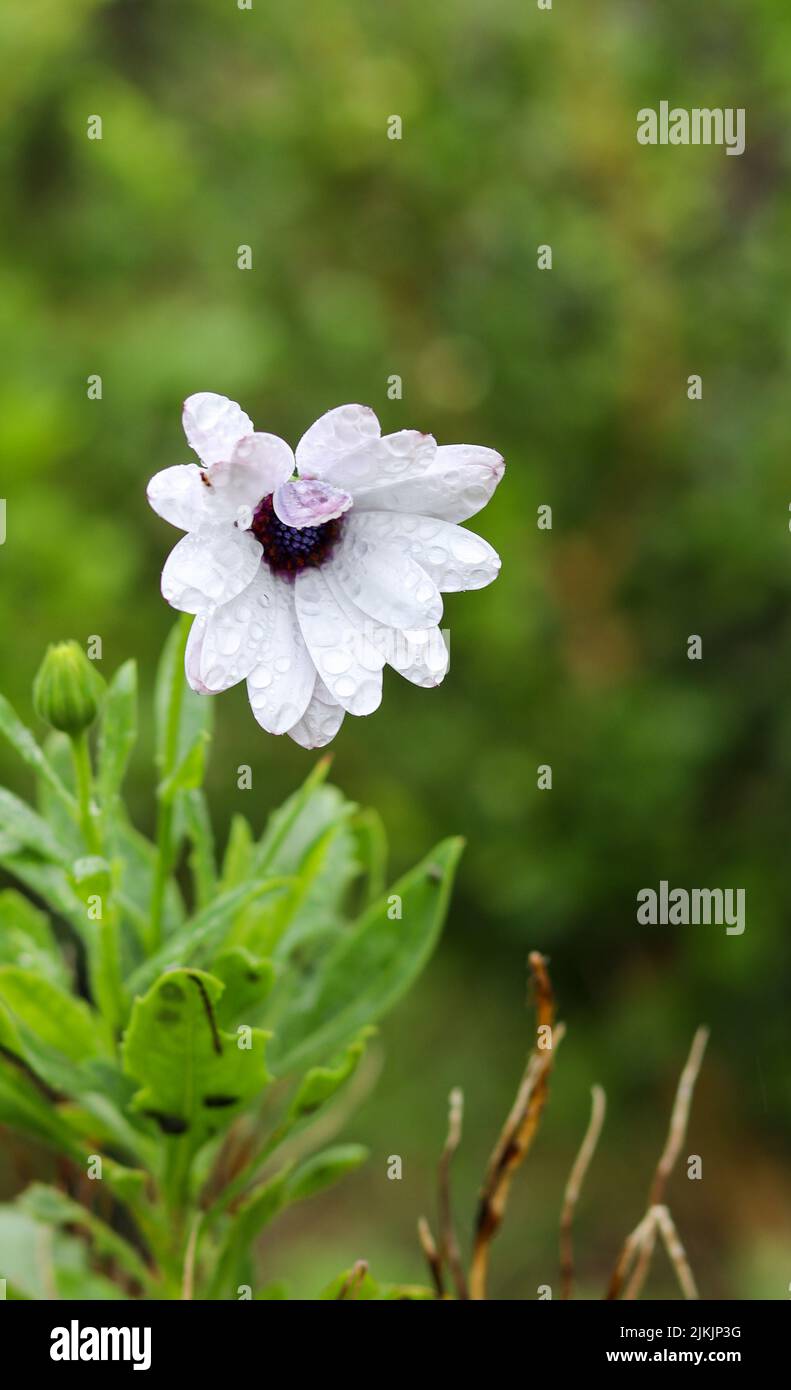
(406,454)
(309,502)
(192,655)
(280,686)
(456,485)
(338,432)
(237,633)
(213,425)
(321,720)
(259,464)
(419,656)
(383,580)
(453,557)
(177,495)
(347,662)
(209,566)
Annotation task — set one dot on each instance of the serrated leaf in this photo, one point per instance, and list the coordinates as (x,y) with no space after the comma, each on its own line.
(367,971)
(118,732)
(190,1072)
(323,1169)
(247,980)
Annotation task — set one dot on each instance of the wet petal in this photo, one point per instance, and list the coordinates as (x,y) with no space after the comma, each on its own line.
(213,425)
(309,502)
(208,567)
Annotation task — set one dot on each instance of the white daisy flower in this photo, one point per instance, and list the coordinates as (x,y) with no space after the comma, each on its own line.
(307,575)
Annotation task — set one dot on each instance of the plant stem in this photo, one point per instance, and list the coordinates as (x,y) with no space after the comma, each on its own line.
(105,958)
(84,778)
(165,808)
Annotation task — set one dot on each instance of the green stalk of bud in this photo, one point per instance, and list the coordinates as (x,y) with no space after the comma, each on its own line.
(68,690)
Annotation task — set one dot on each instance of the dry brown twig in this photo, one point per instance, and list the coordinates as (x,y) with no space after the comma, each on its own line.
(514,1141)
(675,1137)
(353,1281)
(574,1187)
(429,1247)
(449,1245)
(519,1129)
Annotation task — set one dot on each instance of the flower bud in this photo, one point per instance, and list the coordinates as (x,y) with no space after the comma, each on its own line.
(67,691)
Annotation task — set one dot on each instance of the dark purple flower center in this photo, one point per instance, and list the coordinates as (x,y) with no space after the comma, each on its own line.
(289,549)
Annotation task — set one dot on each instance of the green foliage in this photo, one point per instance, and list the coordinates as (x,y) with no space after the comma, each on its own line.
(158,1069)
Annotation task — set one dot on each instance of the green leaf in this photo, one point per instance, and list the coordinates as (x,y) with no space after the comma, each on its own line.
(189,770)
(52,1016)
(237,861)
(26,939)
(118,732)
(28,1109)
(191,1073)
(372,849)
(253,1214)
(321,1083)
(247,980)
(303,815)
(49,882)
(22,740)
(197,711)
(312,906)
(205,933)
(323,1169)
(22,825)
(44,1263)
(199,832)
(369,968)
(137,859)
(51,1207)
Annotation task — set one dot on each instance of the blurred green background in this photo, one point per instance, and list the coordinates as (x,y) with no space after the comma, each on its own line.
(417,257)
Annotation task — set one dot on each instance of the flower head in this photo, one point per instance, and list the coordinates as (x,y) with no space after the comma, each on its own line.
(307,575)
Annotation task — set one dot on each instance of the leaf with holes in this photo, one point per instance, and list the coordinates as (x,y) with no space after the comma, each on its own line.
(193,1076)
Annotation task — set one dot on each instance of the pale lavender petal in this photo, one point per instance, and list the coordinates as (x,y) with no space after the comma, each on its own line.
(309,502)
